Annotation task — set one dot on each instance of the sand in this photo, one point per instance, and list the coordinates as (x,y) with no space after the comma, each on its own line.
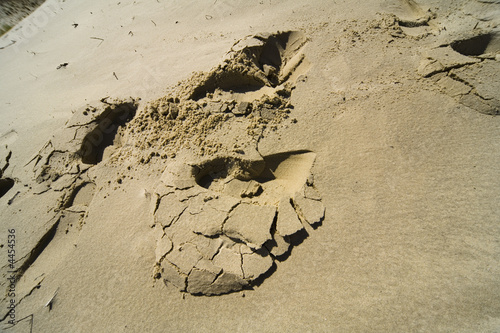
(232,166)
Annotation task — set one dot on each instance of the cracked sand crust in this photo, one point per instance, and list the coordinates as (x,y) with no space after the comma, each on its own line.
(219,242)
(461,68)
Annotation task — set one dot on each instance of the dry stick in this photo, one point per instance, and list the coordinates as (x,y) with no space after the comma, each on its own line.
(51,301)
(115,75)
(102,40)
(153,22)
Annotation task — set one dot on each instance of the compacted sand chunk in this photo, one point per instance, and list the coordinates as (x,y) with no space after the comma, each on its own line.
(222,223)
(250,224)
(288,222)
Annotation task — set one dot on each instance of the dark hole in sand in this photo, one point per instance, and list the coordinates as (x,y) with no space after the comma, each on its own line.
(474,46)
(261,171)
(5,185)
(230,80)
(206,181)
(271,53)
(103,135)
(218,168)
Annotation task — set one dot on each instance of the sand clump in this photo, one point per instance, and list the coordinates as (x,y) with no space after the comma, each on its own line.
(222,223)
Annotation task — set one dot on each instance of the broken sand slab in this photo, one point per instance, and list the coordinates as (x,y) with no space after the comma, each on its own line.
(467,68)
(222,223)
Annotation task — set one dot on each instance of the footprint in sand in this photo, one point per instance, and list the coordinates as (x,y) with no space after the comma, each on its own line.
(468,69)
(412,18)
(90,136)
(62,166)
(222,223)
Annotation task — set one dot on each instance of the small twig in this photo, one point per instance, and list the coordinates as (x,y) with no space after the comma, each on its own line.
(115,75)
(475,26)
(131,33)
(13,198)
(153,22)
(51,301)
(102,40)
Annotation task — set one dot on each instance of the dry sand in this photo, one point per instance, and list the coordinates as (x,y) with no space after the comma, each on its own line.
(227,166)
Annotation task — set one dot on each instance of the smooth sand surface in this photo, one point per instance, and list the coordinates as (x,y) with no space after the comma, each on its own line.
(235,166)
